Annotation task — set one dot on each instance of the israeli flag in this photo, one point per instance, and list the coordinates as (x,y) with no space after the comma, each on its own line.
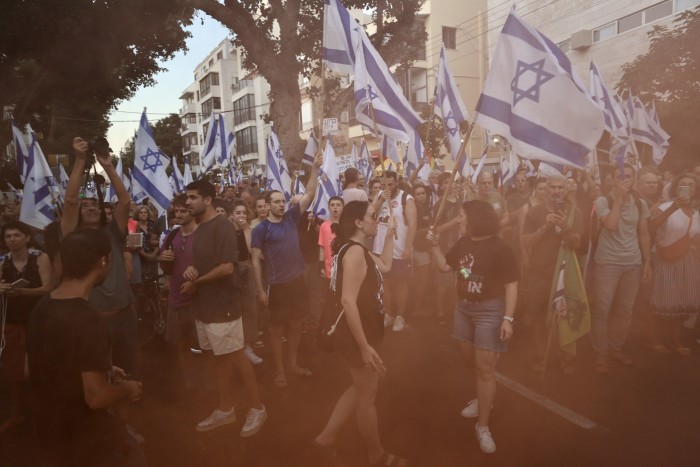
(41,191)
(389,149)
(657,153)
(328,182)
(226,143)
(21,152)
(380,101)
(479,167)
(613,113)
(413,154)
(149,168)
(310,150)
(187,173)
(448,105)
(646,130)
(364,162)
(112,194)
(16,192)
(211,145)
(339,37)
(278,176)
(298,188)
(177,179)
(63,180)
(533,97)
(509,166)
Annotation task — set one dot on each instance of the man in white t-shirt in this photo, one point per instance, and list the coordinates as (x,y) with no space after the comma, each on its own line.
(396,283)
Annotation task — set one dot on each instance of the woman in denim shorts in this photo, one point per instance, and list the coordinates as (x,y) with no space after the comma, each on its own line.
(487,289)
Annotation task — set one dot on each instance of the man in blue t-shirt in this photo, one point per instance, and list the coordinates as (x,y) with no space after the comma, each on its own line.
(276,240)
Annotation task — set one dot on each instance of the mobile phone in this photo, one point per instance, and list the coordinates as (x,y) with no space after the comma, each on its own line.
(684,192)
(19,283)
(136,240)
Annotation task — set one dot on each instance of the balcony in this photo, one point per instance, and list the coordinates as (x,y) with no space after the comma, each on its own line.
(242,84)
(188,108)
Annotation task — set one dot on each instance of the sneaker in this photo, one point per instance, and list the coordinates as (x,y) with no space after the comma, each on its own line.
(399,324)
(259,344)
(253,422)
(620,357)
(137,437)
(483,435)
(216,419)
(254,359)
(471,410)
(691,322)
(388,320)
(600,365)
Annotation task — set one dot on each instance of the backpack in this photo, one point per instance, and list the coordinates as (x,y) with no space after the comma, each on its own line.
(597,226)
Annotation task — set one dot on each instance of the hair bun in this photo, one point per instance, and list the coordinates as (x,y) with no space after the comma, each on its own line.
(335,227)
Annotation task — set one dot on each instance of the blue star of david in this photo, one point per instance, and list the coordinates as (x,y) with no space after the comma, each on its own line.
(370,93)
(533,92)
(157,163)
(362,163)
(451,124)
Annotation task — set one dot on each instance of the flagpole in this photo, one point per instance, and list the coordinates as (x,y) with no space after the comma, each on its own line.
(552,324)
(460,155)
(376,132)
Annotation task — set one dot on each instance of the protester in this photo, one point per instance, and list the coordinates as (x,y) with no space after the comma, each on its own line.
(675,295)
(401,204)
(487,289)
(520,195)
(216,302)
(422,278)
(538,197)
(326,236)
(261,211)
(277,241)
(174,259)
(356,282)
(34,269)
(485,191)
(73,380)
(351,190)
(448,230)
(621,261)
(648,186)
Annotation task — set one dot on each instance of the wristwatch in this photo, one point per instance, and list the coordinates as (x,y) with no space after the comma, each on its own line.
(509,318)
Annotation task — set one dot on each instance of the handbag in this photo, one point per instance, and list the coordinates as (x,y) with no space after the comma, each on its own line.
(677,249)
(332,312)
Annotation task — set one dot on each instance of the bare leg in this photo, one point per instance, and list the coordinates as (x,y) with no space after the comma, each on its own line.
(343,410)
(14,390)
(485,382)
(275,341)
(224,378)
(293,337)
(401,295)
(245,369)
(366,382)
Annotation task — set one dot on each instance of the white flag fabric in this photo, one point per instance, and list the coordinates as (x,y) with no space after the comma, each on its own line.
(533,97)
(278,176)
(509,166)
(646,130)
(62,180)
(21,152)
(310,150)
(613,113)
(479,167)
(389,149)
(449,105)
(413,154)
(149,168)
(364,162)
(112,194)
(187,173)
(178,178)
(354,156)
(226,143)
(378,97)
(41,191)
(328,182)
(210,147)
(339,37)
(298,187)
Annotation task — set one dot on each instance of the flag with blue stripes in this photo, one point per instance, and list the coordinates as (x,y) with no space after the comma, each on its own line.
(62,180)
(210,146)
(226,143)
(41,190)
(178,179)
(310,150)
(389,149)
(413,154)
(646,130)
(149,167)
(278,176)
(448,104)
(112,194)
(328,182)
(378,96)
(509,166)
(533,97)
(187,173)
(21,152)
(466,168)
(298,187)
(613,114)
(339,37)
(364,162)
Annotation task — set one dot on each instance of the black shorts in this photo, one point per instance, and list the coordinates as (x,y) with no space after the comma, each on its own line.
(287,301)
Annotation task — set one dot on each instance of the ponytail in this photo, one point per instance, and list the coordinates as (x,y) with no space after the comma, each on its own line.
(345,228)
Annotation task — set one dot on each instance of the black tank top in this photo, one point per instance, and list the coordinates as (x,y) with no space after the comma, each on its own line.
(19,306)
(243,253)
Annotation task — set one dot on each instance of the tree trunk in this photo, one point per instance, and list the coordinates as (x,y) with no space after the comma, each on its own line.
(285,111)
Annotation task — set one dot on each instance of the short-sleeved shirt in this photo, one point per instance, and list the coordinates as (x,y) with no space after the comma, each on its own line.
(115,292)
(183,246)
(19,306)
(677,225)
(543,254)
(216,301)
(279,243)
(620,246)
(483,267)
(354,194)
(496,200)
(517,200)
(67,337)
(325,239)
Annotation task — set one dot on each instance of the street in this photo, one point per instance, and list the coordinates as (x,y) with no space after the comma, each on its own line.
(644,415)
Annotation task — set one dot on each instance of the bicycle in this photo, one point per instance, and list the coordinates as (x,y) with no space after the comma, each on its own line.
(150,311)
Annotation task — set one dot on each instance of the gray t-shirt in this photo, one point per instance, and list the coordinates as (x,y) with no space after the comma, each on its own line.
(115,292)
(620,246)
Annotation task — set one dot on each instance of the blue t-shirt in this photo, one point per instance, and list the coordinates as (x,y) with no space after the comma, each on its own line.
(279,243)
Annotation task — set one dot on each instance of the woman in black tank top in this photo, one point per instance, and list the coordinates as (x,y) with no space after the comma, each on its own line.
(356,282)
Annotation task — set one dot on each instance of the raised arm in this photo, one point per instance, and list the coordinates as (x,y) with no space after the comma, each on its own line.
(121,210)
(71,203)
(312,184)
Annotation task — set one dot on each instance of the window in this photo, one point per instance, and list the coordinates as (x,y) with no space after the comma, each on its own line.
(211,62)
(604,32)
(191,118)
(629,22)
(684,4)
(213,103)
(658,11)
(449,37)
(212,79)
(220,55)
(244,109)
(205,128)
(247,140)
(306,115)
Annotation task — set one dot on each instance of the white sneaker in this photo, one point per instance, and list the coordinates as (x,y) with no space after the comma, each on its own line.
(399,324)
(471,410)
(216,419)
(253,422)
(483,435)
(254,359)
(691,322)
(388,320)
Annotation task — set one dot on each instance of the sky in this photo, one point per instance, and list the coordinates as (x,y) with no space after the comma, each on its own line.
(163,97)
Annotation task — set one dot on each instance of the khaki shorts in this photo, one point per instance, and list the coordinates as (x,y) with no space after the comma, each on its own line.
(221,338)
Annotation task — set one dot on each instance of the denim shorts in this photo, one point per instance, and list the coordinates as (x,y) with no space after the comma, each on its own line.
(480,323)
(400,269)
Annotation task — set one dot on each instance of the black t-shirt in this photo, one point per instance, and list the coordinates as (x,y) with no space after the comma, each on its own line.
(19,306)
(67,337)
(215,244)
(243,253)
(543,254)
(483,267)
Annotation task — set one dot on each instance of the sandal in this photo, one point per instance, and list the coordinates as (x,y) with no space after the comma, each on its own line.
(327,453)
(388,459)
(279,379)
(660,348)
(682,350)
(299,371)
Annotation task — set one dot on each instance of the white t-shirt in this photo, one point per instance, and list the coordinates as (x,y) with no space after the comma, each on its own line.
(676,226)
(382,225)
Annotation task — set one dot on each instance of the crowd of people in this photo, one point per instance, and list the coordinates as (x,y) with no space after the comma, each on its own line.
(246,267)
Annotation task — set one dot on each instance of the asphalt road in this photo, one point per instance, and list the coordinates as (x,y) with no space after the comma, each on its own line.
(644,415)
